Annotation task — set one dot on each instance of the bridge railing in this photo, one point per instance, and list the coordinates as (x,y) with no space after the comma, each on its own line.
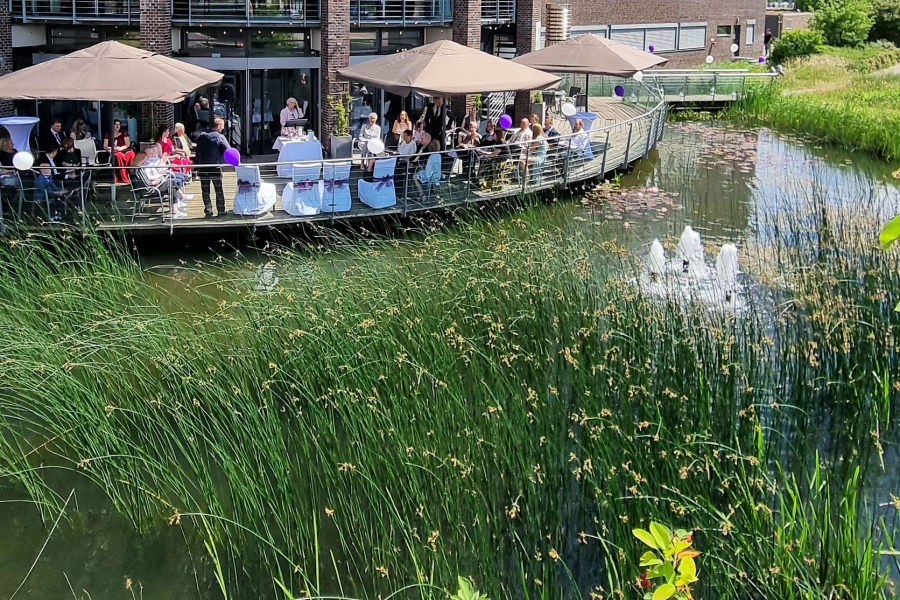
(339,188)
(707,86)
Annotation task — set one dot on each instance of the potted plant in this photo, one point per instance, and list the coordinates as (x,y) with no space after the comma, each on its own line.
(538,107)
(479,105)
(341,142)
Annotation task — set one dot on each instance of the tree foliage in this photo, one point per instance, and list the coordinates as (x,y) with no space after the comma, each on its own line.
(796,43)
(844,22)
(886,16)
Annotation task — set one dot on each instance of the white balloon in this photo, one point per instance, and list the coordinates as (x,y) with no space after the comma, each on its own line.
(375,146)
(709,60)
(638,76)
(569,109)
(23,160)
(734,47)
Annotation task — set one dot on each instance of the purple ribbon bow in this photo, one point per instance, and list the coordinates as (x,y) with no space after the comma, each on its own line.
(246,186)
(387,180)
(303,186)
(332,184)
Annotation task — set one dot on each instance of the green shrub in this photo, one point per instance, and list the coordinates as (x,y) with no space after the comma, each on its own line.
(796,43)
(880,61)
(886,14)
(844,22)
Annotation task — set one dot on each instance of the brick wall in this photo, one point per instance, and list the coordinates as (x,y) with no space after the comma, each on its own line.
(156,36)
(527,13)
(466,31)
(335,55)
(721,12)
(6,106)
(786,20)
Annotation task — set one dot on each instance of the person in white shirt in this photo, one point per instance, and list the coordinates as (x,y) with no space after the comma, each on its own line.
(407,145)
(579,141)
(370,131)
(523,135)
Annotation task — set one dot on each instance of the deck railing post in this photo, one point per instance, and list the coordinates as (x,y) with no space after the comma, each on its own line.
(172,203)
(406,189)
(523,173)
(565,181)
(684,89)
(469,176)
(605,152)
(652,123)
(81,194)
(714,87)
(628,145)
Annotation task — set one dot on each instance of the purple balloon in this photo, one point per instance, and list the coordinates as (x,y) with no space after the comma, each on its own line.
(762,59)
(233,157)
(651,48)
(505,122)
(620,91)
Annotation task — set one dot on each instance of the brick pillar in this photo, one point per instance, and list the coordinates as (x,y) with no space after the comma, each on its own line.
(466,31)
(6,106)
(156,36)
(335,55)
(526,16)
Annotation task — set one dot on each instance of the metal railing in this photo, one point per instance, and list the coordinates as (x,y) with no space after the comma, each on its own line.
(726,85)
(498,12)
(402,12)
(246,12)
(73,11)
(340,189)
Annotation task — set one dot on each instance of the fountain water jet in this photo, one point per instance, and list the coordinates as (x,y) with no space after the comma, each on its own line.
(656,260)
(690,249)
(727,269)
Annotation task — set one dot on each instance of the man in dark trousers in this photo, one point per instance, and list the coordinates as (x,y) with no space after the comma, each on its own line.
(767,40)
(211,147)
(435,120)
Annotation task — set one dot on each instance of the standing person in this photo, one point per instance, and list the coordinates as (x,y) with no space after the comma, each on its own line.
(290,112)
(435,119)
(211,147)
(767,41)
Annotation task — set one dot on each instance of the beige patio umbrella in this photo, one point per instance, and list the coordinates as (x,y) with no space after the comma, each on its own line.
(591,54)
(446,68)
(108,72)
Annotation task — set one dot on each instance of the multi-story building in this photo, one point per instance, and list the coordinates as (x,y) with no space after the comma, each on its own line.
(270,50)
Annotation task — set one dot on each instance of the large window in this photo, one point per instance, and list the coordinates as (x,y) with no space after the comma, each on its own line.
(209,41)
(751,32)
(73,38)
(692,36)
(384,41)
(631,36)
(663,38)
(277,42)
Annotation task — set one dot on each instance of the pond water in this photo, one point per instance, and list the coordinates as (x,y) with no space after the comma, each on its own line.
(732,185)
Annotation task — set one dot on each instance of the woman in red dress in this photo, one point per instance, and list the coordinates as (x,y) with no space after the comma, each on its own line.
(167,150)
(119,144)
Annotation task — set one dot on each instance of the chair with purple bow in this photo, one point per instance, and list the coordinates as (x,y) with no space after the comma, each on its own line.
(254,197)
(336,193)
(303,196)
(380,192)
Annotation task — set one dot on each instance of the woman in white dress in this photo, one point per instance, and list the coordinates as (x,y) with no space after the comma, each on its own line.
(370,131)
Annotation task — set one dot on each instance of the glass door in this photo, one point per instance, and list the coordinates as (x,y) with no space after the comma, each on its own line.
(269,91)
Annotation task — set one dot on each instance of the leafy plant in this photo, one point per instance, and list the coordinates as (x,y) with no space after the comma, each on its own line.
(670,560)
(890,234)
(341,111)
(538,98)
(467,591)
(886,17)
(478,102)
(844,22)
(797,43)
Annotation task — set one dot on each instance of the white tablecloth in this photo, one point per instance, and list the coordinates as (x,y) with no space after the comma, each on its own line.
(281,140)
(19,130)
(587,117)
(296,151)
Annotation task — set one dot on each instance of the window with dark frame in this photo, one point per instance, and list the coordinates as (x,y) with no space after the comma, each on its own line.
(384,41)
(723,30)
(211,41)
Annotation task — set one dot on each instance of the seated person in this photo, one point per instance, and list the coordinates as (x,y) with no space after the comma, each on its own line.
(536,153)
(549,130)
(578,142)
(79,130)
(470,138)
(488,138)
(8,173)
(119,144)
(48,159)
(522,135)
(182,149)
(418,132)
(370,131)
(423,147)
(432,172)
(52,136)
(46,189)
(493,158)
(69,156)
(407,145)
(155,173)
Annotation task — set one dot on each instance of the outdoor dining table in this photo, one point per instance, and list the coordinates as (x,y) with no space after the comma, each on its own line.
(19,129)
(297,151)
(587,117)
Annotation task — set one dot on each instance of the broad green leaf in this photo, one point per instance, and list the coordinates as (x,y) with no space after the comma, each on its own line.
(666,571)
(890,233)
(681,545)
(688,554)
(650,559)
(466,591)
(681,533)
(648,596)
(664,592)
(646,537)
(687,569)
(662,535)
(897,308)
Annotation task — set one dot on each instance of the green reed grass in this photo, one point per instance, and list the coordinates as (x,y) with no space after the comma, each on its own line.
(500,402)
